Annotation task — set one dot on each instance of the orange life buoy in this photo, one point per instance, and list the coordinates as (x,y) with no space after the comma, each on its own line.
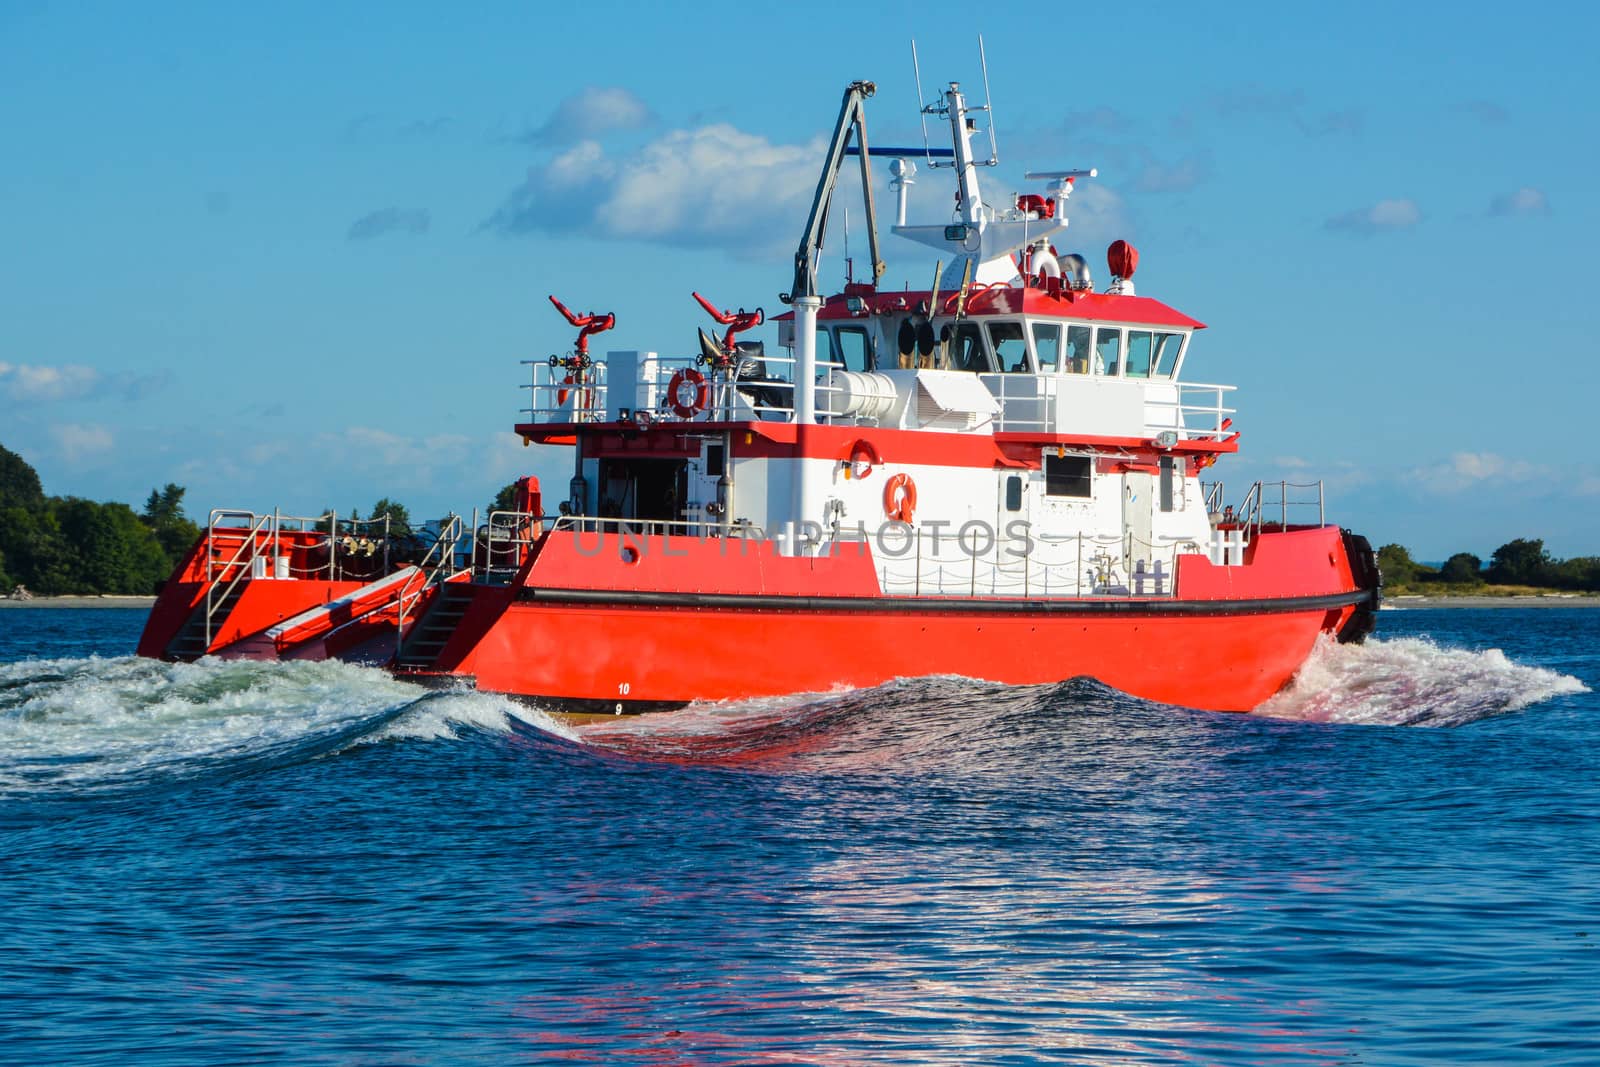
(562,394)
(863,460)
(687,393)
(900,498)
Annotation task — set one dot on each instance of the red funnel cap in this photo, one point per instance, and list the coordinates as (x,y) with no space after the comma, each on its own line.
(1123,259)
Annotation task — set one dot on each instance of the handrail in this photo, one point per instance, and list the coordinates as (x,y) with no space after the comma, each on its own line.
(213,603)
(662,527)
(430,570)
(1075,566)
(1249,515)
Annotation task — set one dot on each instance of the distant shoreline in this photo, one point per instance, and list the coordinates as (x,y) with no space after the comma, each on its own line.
(108,601)
(1547,600)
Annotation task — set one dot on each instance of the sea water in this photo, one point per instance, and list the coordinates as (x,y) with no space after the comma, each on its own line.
(233,863)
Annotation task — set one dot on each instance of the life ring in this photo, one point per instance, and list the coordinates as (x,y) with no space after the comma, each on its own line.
(863,460)
(687,393)
(562,394)
(900,498)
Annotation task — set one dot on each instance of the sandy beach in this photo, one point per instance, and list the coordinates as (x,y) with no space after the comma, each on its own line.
(1552,600)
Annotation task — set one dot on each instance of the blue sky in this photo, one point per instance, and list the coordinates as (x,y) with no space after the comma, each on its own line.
(291,256)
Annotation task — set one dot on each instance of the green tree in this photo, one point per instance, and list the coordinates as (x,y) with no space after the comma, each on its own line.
(505,499)
(1520,562)
(399,518)
(1397,565)
(108,549)
(163,514)
(30,540)
(19,483)
(1581,572)
(1463,568)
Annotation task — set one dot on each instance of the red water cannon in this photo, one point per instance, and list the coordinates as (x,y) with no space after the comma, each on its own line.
(587,325)
(736,321)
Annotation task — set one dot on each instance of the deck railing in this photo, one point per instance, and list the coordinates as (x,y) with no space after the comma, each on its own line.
(1045,567)
(1274,504)
(1028,402)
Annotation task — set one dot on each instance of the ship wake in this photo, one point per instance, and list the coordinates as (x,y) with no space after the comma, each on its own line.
(1410,681)
(104,725)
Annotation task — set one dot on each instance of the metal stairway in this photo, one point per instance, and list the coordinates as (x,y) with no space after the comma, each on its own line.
(191,642)
(432,632)
(229,556)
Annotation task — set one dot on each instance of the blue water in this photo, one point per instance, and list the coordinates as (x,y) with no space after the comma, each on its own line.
(314,864)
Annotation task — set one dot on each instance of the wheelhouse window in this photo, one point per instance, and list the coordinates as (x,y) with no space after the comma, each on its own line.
(853,349)
(1108,350)
(1141,344)
(967,351)
(1080,349)
(1068,476)
(1168,346)
(1010,347)
(1047,346)
(827,345)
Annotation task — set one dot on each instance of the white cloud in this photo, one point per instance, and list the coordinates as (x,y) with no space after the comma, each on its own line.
(1464,470)
(1384,216)
(1096,216)
(1524,201)
(25,382)
(591,112)
(715,186)
(367,448)
(79,442)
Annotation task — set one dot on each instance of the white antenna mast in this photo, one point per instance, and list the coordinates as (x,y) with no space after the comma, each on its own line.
(988,103)
(922,111)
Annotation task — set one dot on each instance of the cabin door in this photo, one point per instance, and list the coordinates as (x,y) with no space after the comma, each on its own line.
(1138,502)
(1011,562)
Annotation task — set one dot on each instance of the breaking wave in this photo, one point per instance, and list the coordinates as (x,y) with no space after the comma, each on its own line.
(1410,681)
(95,724)
(102,725)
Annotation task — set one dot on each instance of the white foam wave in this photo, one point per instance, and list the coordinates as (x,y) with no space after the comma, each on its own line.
(440,716)
(1411,681)
(91,723)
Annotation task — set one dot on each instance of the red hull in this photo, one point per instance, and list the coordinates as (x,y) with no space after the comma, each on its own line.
(722,621)
(630,655)
(671,621)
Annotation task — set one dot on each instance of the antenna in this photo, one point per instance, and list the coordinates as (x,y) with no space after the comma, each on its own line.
(849,268)
(988,103)
(922,111)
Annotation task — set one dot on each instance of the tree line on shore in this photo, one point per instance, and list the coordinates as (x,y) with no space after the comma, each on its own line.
(1523,562)
(66,544)
(55,545)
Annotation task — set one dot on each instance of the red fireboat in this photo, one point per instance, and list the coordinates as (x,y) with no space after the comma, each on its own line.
(1002,476)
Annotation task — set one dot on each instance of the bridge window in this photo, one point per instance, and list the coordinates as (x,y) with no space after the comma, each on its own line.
(1079,349)
(1108,350)
(853,349)
(967,351)
(1010,348)
(1047,345)
(827,345)
(1140,344)
(1168,345)
(1067,476)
